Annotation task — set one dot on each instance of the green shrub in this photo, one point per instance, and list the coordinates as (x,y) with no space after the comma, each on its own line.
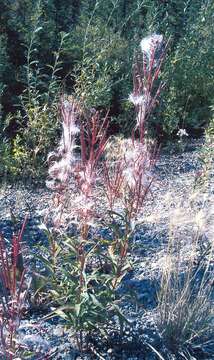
(104,53)
(37,118)
(206,157)
(189,74)
(94,61)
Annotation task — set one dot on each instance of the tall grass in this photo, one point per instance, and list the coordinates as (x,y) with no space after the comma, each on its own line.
(185,311)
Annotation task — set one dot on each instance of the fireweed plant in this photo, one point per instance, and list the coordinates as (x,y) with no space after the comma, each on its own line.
(92,195)
(127,180)
(146,73)
(13,291)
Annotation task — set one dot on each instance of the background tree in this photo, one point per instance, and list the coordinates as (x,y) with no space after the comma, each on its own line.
(94,62)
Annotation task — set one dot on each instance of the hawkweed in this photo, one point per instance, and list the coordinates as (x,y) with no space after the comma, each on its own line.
(182,134)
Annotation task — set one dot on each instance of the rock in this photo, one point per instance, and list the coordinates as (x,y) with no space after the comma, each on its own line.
(36,343)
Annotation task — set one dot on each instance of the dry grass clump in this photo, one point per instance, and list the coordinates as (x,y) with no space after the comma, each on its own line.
(185,312)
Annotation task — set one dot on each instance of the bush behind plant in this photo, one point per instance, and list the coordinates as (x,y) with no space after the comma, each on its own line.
(95,63)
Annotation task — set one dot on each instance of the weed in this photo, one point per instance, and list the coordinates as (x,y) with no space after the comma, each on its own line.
(13,294)
(185,312)
(86,269)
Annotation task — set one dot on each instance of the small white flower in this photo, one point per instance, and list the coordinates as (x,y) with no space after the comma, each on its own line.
(182,132)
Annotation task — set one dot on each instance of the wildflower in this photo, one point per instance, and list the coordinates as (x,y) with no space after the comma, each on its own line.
(62,169)
(136,99)
(143,104)
(151,43)
(69,127)
(129,176)
(62,161)
(182,132)
(137,165)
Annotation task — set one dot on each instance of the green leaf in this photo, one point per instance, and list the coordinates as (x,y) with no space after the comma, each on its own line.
(77,309)
(96,302)
(46,262)
(120,313)
(38,29)
(61,312)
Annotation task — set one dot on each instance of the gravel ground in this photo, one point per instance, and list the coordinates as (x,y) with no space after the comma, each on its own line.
(173,197)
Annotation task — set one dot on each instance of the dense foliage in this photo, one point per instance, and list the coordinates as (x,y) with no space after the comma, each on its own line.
(86,48)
